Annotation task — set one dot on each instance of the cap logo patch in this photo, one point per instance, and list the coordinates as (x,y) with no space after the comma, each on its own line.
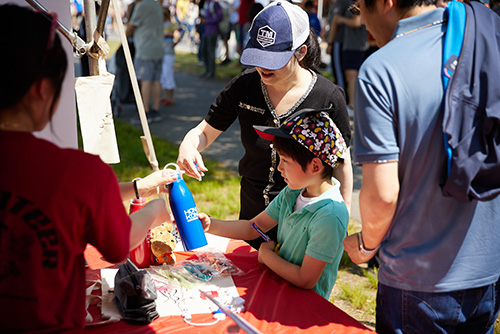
(266,36)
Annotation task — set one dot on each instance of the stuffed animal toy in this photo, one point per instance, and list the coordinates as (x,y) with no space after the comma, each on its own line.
(163,243)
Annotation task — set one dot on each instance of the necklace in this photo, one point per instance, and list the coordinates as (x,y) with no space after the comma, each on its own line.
(277,120)
(12,126)
(419,28)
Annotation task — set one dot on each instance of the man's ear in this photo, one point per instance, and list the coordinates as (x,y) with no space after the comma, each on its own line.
(388,6)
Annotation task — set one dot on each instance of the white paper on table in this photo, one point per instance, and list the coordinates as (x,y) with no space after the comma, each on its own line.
(171,300)
(213,242)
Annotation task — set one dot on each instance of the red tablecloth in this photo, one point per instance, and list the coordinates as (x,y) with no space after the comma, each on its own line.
(271,303)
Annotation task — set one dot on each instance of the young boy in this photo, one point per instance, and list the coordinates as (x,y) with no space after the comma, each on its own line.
(310,212)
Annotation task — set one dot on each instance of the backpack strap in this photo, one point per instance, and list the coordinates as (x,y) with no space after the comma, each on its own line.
(454,38)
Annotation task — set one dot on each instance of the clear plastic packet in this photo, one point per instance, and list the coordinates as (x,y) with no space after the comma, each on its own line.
(177,276)
(215,261)
(204,266)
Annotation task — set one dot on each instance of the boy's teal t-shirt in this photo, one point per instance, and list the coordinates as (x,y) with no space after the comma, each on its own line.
(317,230)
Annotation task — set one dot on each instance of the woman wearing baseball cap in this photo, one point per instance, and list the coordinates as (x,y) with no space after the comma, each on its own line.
(285,55)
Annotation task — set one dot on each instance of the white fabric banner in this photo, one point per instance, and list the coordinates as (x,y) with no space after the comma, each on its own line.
(96,116)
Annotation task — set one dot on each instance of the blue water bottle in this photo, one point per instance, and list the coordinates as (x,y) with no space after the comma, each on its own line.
(185,212)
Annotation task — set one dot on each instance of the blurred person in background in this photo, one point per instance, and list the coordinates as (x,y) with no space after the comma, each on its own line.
(146,26)
(212,15)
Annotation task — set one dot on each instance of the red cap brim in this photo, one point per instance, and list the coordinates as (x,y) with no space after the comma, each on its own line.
(264,135)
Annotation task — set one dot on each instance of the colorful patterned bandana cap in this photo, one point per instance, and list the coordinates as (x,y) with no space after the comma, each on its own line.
(314,130)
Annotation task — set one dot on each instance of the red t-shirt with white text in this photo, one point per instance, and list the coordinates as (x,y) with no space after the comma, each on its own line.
(53,202)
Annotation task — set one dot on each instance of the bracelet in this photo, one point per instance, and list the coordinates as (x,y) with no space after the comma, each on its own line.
(135,188)
(362,248)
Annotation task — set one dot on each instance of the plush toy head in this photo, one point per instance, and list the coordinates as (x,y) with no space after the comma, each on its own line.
(163,243)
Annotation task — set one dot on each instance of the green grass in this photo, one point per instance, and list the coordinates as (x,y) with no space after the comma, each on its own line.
(371,276)
(360,296)
(217,194)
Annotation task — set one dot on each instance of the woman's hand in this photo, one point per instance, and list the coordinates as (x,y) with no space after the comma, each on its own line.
(205,221)
(196,140)
(188,156)
(155,183)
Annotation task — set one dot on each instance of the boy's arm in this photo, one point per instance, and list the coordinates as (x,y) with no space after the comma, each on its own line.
(237,229)
(305,276)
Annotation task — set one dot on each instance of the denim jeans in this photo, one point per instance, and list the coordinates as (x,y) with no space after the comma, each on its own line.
(471,311)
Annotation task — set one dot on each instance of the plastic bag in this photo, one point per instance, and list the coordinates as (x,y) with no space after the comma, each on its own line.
(135,294)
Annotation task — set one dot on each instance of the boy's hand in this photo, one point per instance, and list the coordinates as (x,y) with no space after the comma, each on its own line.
(205,221)
(266,247)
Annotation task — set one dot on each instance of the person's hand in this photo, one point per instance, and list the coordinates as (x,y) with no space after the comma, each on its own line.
(188,156)
(329,49)
(264,248)
(154,183)
(205,221)
(351,246)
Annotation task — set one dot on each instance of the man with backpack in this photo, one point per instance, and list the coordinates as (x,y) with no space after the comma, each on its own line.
(439,264)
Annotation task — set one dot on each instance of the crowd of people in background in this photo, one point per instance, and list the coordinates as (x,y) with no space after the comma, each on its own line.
(208,26)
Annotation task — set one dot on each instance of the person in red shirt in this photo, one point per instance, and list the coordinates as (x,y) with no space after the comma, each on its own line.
(53,201)
(243,22)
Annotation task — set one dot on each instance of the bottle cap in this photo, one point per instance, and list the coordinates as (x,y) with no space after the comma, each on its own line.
(176,172)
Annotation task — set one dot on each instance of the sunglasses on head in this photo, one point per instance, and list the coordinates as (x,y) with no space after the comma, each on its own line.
(354,8)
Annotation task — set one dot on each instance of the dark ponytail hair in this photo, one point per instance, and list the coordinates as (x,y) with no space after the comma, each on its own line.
(28,53)
(312,59)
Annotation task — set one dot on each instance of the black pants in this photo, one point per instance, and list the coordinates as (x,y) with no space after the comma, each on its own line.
(252,203)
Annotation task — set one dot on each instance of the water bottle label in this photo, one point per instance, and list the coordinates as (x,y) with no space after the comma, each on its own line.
(191,214)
